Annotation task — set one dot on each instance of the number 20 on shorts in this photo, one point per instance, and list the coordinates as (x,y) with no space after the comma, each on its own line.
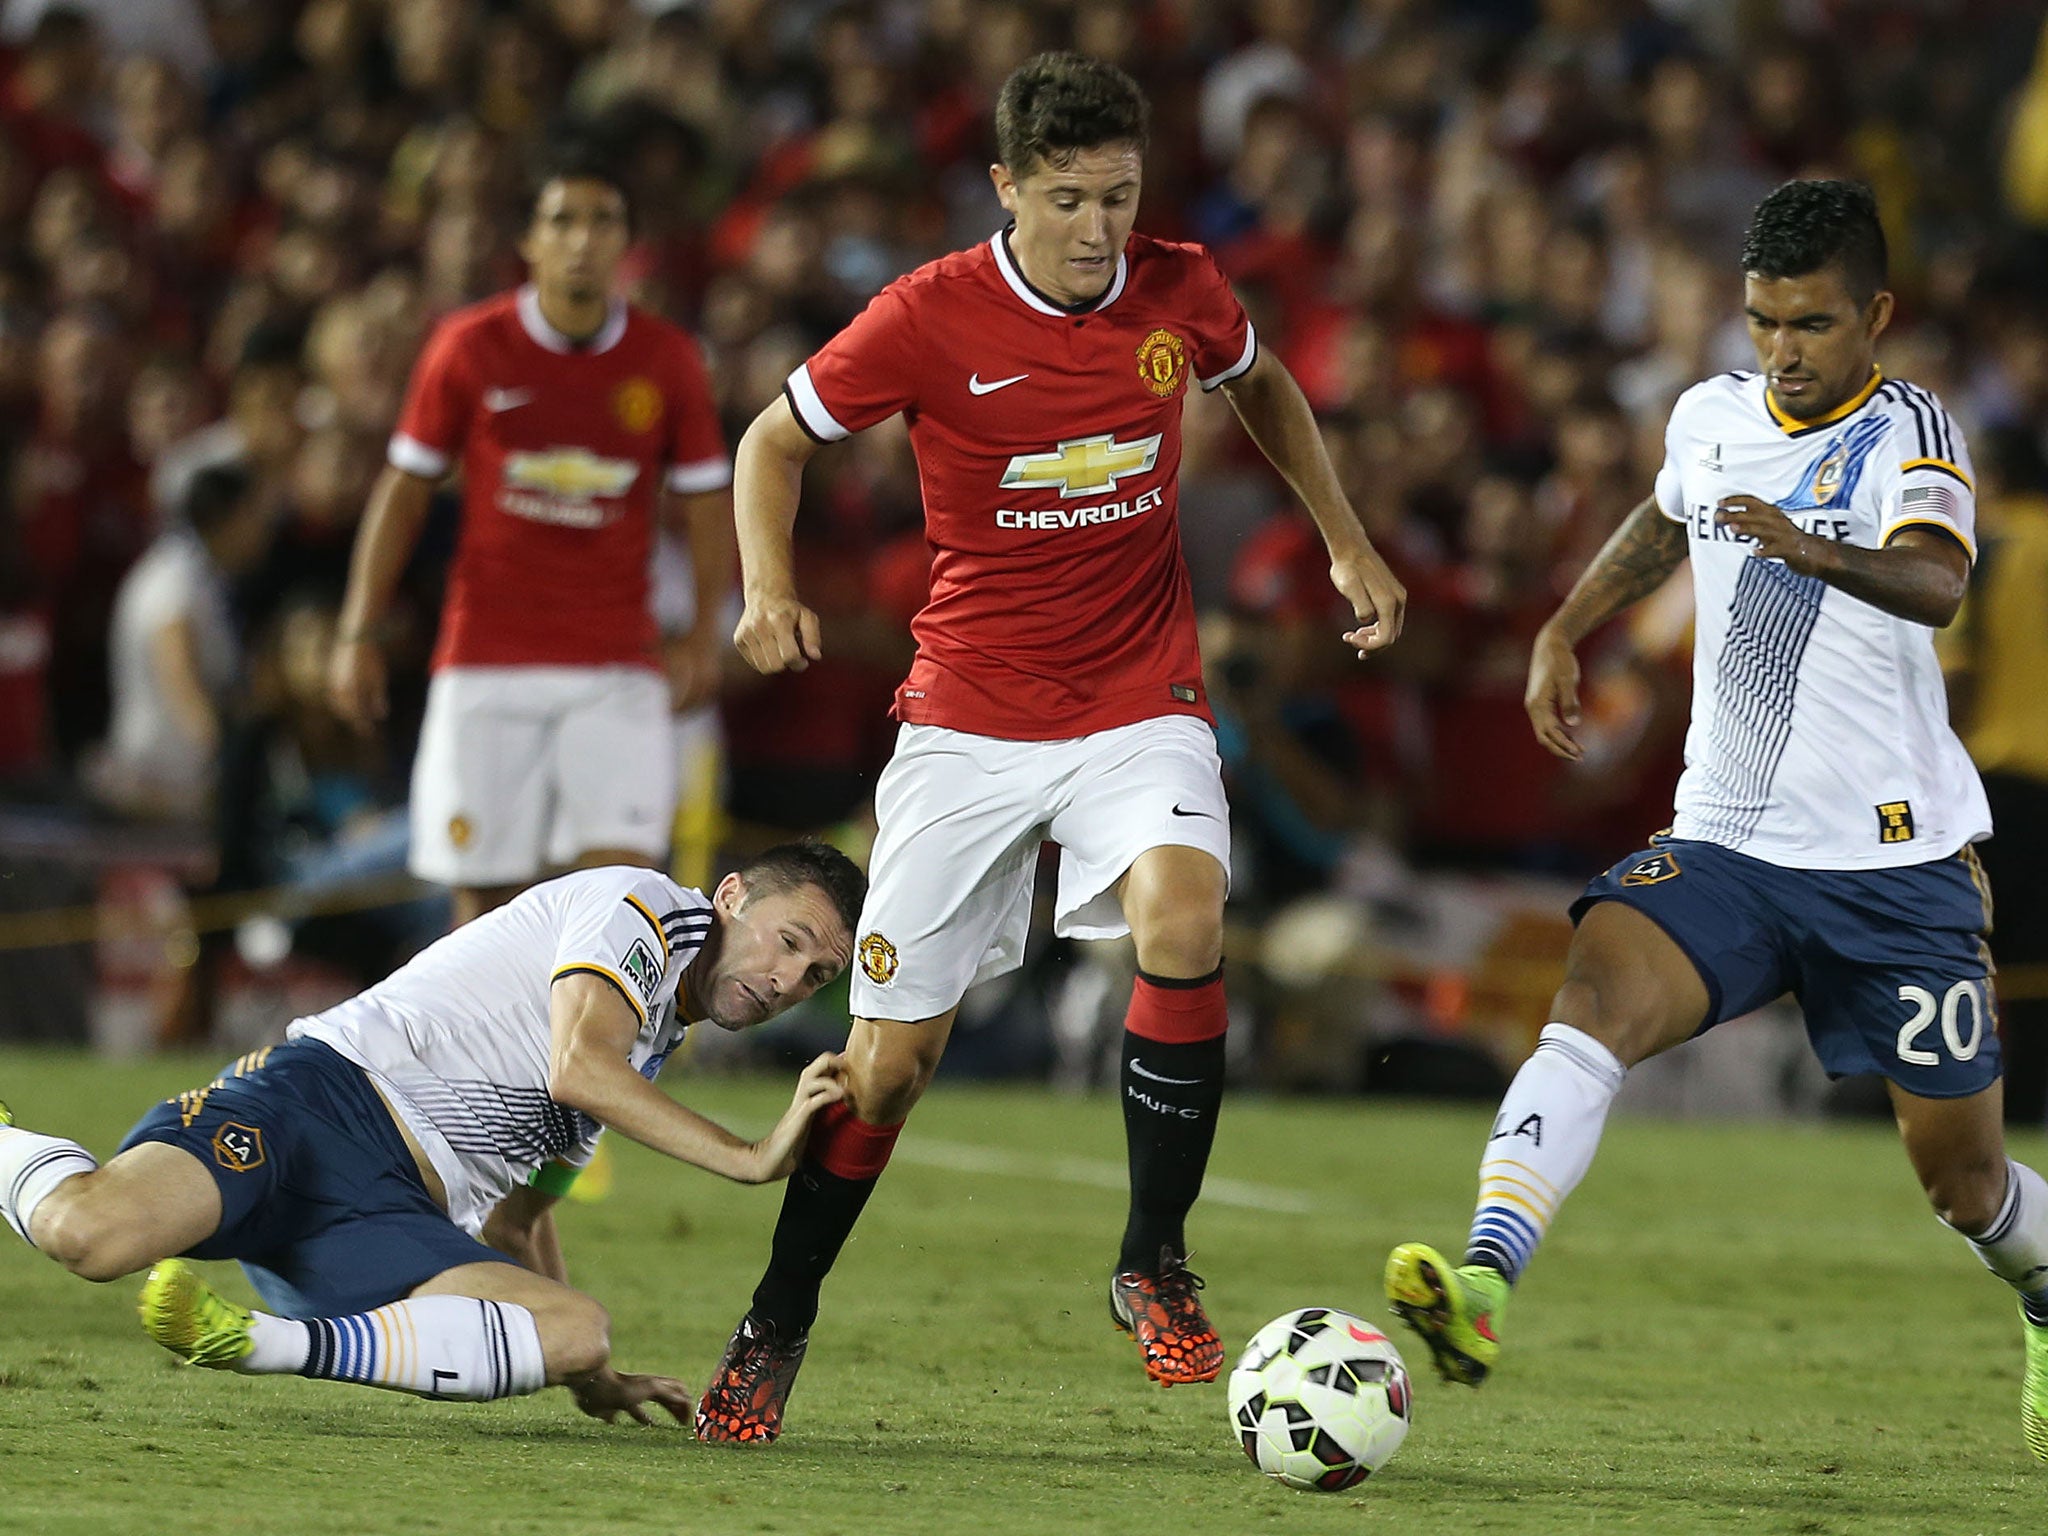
(1950,1006)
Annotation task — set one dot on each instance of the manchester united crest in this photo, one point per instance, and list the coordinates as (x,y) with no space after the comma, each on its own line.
(1162,363)
(877,959)
(637,404)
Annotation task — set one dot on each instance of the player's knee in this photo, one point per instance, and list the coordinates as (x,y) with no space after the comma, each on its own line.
(1177,936)
(884,1088)
(91,1243)
(1968,1194)
(1625,1017)
(575,1336)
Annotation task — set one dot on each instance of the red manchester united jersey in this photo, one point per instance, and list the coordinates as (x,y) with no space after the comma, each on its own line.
(563,448)
(1048,451)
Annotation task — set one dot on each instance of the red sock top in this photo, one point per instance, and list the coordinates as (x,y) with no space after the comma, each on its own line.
(844,1144)
(1178,1013)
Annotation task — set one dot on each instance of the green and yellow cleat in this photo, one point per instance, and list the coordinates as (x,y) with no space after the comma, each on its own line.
(182,1313)
(2034,1390)
(6,1114)
(1454,1310)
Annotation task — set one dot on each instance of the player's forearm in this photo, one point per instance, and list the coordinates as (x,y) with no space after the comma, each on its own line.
(384,544)
(1904,580)
(621,1100)
(1281,422)
(766,485)
(1637,560)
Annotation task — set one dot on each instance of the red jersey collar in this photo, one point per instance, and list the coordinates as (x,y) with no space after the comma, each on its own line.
(546,335)
(1021,286)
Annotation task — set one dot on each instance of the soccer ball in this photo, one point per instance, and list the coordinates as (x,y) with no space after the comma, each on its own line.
(1319,1399)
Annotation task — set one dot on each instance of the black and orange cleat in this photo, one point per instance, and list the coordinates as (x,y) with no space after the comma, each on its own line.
(1162,1312)
(743,1404)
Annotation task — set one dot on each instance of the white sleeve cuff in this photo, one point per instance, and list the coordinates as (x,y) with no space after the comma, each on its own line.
(702,475)
(810,410)
(1238,369)
(416,458)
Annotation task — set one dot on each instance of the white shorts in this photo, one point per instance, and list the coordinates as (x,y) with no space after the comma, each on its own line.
(961,818)
(523,768)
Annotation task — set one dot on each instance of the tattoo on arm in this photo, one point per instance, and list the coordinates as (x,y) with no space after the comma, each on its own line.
(1633,563)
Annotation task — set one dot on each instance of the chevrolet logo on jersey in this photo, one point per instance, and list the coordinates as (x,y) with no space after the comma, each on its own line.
(1083,466)
(570,472)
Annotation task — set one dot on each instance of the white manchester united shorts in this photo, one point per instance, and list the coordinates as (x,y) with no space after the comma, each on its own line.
(522,768)
(961,818)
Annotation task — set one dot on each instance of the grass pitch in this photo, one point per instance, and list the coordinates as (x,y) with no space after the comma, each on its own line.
(1734,1328)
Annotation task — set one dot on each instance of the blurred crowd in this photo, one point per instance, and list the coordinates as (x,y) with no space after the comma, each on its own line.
(1493,238)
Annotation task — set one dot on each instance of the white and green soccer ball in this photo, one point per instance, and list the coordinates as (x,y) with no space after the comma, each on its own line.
(1319,1399)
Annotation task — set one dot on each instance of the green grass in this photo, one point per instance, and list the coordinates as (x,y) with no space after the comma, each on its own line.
(1735,1328)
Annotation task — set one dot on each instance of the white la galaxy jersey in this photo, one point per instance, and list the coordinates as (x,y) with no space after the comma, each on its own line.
(1820,735)
(458,1038)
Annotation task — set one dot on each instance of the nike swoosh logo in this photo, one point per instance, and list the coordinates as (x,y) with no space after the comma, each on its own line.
(976,387)
(1179,812)
(506,399)
(1178,1082)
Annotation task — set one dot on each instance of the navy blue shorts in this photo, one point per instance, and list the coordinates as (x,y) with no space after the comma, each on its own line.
(320,1197)
(1890,965)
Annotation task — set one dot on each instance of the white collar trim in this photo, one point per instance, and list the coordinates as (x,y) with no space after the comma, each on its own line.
(1007,265)
(546,335)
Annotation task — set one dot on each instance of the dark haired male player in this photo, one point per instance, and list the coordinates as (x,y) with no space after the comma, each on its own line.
(1824,821)
(547,739)
(1057,691)
(386,1176)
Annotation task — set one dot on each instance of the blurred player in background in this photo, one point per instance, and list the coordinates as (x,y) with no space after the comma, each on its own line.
(1057,691)
(1824,821)
(360,1170)
(547,740)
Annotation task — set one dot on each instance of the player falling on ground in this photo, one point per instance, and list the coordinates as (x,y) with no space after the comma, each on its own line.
(1057,692)
(360,1170)
(547,740)
(1824,821)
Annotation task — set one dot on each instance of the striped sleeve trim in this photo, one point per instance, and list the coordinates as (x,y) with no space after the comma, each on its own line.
(590,968)
(810,410)
(1242,366)
(416,458)
(647,912)
(1940,466)
(1899,525)
(703,475)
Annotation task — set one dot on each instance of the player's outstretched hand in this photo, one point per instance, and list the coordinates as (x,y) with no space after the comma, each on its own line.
(355,683)
(1375,595)
(1552,698)
(605,1394)
(822,1082)
(778,634)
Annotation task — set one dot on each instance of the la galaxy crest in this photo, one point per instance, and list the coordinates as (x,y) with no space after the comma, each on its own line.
(1654,870)
(1828,476)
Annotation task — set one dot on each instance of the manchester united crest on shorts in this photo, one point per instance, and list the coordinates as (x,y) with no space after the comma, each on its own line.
(1654,870)
(1162,362)
(877,959)
(637,404)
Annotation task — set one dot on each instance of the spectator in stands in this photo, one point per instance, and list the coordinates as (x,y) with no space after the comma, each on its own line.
(176,655)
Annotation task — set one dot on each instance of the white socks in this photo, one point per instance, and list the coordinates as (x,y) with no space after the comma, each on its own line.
(1541,1145)
(2015,1246)
(454,1347)
(30,1167)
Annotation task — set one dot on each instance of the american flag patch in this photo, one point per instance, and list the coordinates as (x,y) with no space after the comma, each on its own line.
(1936,501)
